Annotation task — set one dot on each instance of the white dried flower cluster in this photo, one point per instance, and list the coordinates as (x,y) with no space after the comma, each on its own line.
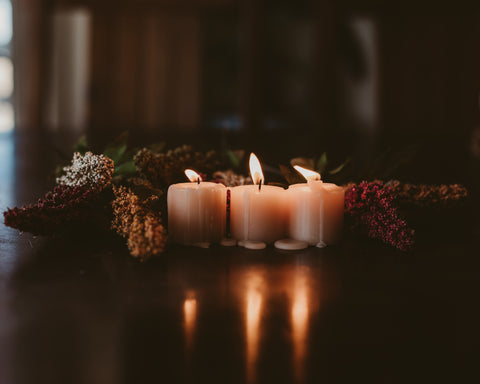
(230,179)
(93,171)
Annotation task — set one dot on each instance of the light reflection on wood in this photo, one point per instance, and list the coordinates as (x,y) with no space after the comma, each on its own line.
(253,316)
(190,316)
(299,317)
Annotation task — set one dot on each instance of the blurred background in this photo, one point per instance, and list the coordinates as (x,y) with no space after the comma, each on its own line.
(297,77)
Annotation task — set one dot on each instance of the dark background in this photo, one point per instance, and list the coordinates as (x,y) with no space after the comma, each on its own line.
(386,84)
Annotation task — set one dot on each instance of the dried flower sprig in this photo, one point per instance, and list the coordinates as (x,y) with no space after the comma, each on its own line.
(372,207)
(142,187)
(147,236)
(163,169)
(423,196)
(231,179)
(138,220)
(91,171)
(63,206)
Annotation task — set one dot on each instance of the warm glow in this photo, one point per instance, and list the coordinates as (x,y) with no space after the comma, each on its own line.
(190,315)
(253,316)
(192,175)
(254,303)
(256,170)
(307,173)
(300,312)
(190,312)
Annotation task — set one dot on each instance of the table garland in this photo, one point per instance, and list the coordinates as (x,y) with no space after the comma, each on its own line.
(127,188)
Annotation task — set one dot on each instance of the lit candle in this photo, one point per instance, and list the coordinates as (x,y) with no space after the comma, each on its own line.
(196,211)
(315,210)
(257,212)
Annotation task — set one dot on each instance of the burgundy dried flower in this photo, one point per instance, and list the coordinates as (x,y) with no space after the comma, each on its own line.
(371,205)
(63,206)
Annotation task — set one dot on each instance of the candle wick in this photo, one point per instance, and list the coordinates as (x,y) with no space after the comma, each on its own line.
(198,181)
(260,185)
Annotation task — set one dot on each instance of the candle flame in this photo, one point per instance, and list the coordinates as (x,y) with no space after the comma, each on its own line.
(256,170)
(192,175)
(307,173)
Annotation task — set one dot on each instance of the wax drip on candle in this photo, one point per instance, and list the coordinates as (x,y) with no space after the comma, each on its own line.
(193,176)
(308,174)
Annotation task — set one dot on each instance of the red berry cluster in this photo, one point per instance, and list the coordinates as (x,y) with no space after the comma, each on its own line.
(60,207)
(372,207)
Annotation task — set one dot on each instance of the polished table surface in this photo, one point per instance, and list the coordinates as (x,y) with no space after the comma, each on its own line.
(82,311)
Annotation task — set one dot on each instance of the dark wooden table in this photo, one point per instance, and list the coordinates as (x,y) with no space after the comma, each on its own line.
(82,311)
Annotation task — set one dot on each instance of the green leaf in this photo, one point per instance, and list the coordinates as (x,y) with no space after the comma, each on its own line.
(387,164)
(116,149)
(234,158)
(340,167)
(129,154)
(125,169)
(157,147)
(115,153)
(290,175)
(81,145)
(304,162)
(322,163)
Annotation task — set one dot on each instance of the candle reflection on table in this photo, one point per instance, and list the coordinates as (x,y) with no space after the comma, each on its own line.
(299,318)
(253,316)
(190,316)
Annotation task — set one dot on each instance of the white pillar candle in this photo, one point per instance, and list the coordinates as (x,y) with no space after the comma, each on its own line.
(315,210)
(257,212)
(196,211)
